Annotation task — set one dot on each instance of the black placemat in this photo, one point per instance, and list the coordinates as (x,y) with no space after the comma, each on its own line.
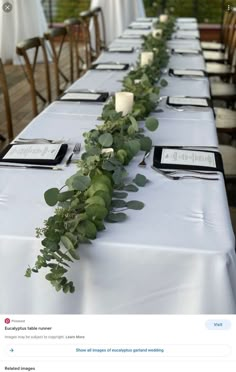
(83,96)
(110,66)
(175,101)
(58,158)
(187,73)
(164,155)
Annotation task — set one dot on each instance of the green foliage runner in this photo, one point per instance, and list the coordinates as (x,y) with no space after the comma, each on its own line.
(97,192)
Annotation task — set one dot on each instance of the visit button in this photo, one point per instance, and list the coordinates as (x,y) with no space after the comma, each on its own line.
(218,324)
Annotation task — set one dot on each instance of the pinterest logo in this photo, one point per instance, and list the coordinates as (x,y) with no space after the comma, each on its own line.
(7,320)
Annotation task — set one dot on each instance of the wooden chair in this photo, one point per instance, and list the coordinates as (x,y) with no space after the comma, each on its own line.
(98,10)
(229,159)
(29,50)
(223,56)
(79,46)
(220,47)
(224,70)
(58,38)
(226,91)
(4,87)
(225,121)
(91,18)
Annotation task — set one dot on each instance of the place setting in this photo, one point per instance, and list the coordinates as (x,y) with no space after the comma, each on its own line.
(186,162)
(185,103)
(39,153)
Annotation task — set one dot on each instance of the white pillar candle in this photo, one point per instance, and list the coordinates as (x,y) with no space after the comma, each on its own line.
(146,58)
(124,102)
(163,18)
(157,33)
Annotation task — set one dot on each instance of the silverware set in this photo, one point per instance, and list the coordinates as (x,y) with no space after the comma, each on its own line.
(187,174)
(75,150)
(21,140)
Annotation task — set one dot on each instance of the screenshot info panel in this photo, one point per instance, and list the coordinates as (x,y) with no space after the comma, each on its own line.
(73,343)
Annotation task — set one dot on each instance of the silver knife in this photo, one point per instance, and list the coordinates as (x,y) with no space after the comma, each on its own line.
(31,166)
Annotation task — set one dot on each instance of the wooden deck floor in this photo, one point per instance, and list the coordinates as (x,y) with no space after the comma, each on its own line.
(20,97)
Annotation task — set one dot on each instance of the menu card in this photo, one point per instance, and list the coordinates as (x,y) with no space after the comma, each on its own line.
(186,51)
(32,151)
(140,26)
(80,96)
(187,35)
(109,66)
(187,72)
(121,49)
(185,158)
(188,157)
(189,101)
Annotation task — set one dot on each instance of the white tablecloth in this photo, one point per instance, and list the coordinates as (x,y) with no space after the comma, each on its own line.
(176,256)
(119,14)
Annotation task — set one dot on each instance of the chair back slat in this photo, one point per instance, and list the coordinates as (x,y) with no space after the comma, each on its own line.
(3,83)
(23,49)
(57,38)
(80,46)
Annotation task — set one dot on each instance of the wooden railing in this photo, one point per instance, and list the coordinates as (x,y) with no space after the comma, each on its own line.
(57,11)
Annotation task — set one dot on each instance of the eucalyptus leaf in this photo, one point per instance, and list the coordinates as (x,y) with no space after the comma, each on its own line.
(120,195)
(74,255)
(89,229)
(99,225)
(106,140)
(116,217)
(118,203)
(96,200)
(118,176)
(106,197)
(96,211)
(146,144)
(131,188)
(98,187)
(107,165)
(140,180)
(135,204)
(63,196)
(163,83)
(51,196)
(133,146)
(67,243)
(151,124)
(81,183)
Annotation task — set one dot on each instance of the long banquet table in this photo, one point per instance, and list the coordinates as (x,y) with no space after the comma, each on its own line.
(176,256)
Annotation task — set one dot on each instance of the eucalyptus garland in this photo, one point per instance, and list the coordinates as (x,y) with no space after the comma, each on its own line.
(97,192)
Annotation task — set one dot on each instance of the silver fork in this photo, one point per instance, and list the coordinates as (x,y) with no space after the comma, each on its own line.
(173,172)
(75,150)
(176,178)
(143,162)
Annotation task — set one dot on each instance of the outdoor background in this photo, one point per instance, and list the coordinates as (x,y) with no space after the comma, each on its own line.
(206,11)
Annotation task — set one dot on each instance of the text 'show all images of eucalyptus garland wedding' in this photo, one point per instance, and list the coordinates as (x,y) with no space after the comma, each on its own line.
(97,192)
